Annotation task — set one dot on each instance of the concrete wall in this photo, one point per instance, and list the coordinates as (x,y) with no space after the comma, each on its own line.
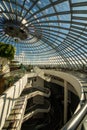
(4,65)
(70,87)
(7,100)
(67,77)
(37,81)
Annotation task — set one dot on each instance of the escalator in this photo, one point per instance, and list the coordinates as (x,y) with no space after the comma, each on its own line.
(33,91)
(54,112)
(37,108)
(51,109)
(33,109)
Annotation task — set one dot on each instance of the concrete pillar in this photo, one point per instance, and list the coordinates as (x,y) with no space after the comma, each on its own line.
(65,101)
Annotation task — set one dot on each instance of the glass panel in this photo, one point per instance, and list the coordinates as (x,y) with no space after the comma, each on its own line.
(64,6)
(51,27)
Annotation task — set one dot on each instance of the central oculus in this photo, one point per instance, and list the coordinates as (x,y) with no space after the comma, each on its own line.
(15,30)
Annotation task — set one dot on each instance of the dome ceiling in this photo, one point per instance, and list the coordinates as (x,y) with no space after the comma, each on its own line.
(46,31)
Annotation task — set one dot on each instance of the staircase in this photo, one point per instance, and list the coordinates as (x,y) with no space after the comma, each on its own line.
(14,121)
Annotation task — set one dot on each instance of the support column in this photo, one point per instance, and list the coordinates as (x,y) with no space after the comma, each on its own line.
(65,101)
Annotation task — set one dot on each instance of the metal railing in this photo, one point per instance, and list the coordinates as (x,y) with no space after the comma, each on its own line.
(77,118)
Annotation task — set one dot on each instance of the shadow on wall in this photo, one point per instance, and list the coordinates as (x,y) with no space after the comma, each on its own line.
(5,107)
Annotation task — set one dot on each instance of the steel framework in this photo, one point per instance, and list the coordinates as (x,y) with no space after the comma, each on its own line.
(57,31)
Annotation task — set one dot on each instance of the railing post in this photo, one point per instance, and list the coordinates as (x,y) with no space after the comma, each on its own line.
(65,101)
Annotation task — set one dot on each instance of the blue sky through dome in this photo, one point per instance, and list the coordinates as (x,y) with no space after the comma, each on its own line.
(56,30)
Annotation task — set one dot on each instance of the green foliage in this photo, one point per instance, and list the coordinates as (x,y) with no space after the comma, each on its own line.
(26,67)
(10,80)
(7,51)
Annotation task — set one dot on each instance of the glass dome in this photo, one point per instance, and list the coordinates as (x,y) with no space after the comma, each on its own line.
(46,32)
